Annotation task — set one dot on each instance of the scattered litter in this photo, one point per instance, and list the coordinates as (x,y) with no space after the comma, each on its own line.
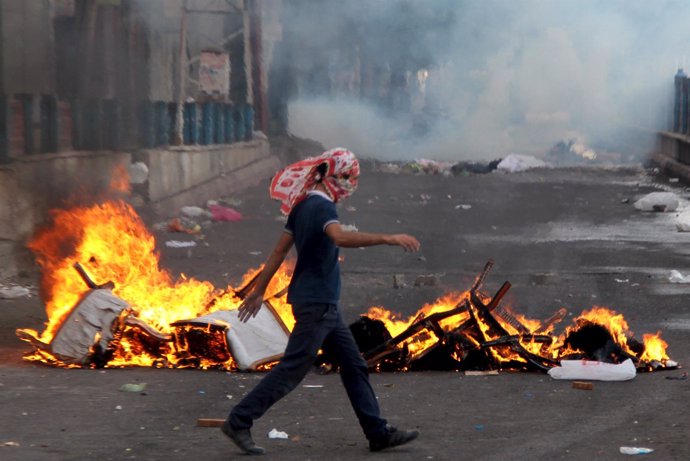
(255,253)
(194,212)
(479,427)
(13,292)
(349,227)
(635,450)
(180,244)
(681,377)
(138,173)
(622,280)
(481,373)
(518,162)
(594,370)
(427,281)
(221,213)
(583,385)
(657,201)
(399,281)
(176,225)
(677,277)
(133,387)
(276,434)
(10,444)
(466,168)
(209,422)
(118,407)
(673,180)
(351,208)
(683,222)
(228,396)
(317,386)
(463,207)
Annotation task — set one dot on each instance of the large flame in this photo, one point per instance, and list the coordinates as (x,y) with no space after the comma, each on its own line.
(112,244)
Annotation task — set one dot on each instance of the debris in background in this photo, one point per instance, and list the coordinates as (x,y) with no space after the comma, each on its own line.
(657,201)
(221,213)
(138,173)
(583,385)
(481,373)
(518,162)
(209,422)
(276,434)
(399,281)
(133,387)
(427,281)
(571,152)
(635,450)
(474,167)
(677,277)
(683,222)
(681,377)
(349,227)
(180,244)
(13,292)
(177,225)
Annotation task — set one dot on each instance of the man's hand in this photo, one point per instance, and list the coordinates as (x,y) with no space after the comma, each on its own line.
(408,242)
(250,306)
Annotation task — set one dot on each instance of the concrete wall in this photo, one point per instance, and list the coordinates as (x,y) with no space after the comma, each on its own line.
(190,175)
(34,184)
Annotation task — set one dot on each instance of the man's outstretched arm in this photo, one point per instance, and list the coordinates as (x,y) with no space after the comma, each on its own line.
(347,239)
(252,303)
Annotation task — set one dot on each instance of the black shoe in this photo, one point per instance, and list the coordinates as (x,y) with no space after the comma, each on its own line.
(393,438)
(242,438)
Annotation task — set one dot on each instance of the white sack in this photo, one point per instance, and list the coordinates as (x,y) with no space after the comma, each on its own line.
(657,201)
(592,370)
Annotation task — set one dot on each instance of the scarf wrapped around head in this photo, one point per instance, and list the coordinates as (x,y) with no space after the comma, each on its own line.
(291,184)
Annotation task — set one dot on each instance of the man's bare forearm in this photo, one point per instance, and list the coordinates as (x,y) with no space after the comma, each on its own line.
(361,239)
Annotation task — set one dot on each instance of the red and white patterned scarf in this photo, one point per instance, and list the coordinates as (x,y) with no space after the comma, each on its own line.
(291,184)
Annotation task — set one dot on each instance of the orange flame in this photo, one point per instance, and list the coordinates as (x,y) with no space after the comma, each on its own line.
(113,245)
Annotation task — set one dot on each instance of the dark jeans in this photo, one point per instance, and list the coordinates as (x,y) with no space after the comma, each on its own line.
(318,326)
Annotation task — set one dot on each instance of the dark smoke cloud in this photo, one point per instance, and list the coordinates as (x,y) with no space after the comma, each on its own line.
(505,76)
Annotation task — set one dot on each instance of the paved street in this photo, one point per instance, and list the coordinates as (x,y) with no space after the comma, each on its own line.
(563,238)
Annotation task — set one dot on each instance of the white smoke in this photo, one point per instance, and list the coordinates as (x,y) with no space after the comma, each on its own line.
(520,75)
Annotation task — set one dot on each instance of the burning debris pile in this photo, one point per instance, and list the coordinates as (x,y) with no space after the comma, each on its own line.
(486,336)
(139,316)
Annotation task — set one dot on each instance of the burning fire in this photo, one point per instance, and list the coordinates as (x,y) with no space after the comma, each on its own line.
(110,241)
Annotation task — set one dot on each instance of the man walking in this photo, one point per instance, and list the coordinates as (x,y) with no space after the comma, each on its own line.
(308,191)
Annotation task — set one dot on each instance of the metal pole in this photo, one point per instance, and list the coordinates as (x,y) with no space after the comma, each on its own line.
(178,139)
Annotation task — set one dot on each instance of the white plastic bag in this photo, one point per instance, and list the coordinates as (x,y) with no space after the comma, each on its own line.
(592,370)
(657,201)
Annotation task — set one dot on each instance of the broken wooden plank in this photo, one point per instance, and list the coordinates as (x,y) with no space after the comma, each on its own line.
(209,422)
(584,385)
(481,372)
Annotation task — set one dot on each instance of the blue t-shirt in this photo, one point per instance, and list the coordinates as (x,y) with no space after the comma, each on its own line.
(316,278)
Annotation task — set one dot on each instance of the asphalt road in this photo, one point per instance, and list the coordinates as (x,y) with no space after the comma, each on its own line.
(563,238)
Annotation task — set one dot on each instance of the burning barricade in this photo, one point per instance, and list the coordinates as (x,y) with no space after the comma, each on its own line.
(139,316)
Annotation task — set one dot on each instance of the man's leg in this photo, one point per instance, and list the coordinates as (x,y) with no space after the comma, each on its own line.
(355,377)
(311,327)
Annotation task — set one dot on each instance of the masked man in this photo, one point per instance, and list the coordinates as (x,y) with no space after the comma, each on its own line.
(308,191)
